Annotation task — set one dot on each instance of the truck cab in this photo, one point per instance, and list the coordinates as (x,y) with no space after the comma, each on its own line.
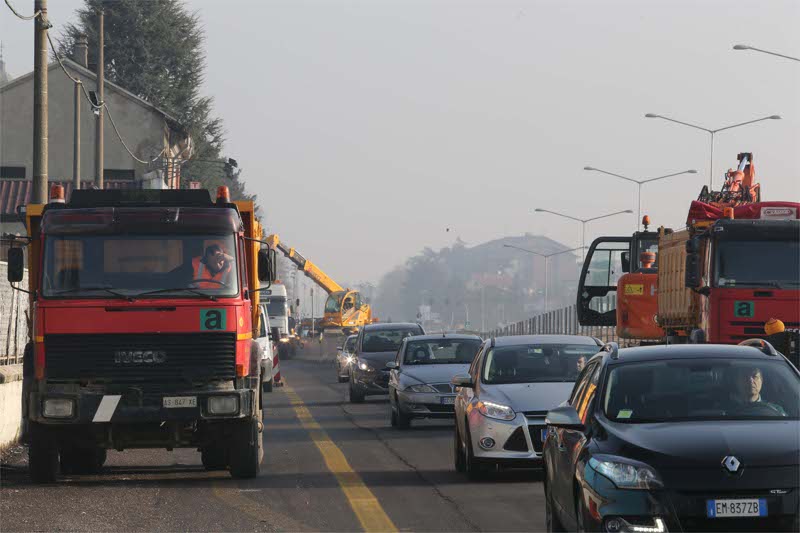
(276,306)
(142,328)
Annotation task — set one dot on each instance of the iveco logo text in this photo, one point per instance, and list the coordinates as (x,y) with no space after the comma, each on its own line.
(139,357)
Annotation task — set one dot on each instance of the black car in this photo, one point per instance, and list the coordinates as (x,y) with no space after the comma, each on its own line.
(377,344)
(677,438)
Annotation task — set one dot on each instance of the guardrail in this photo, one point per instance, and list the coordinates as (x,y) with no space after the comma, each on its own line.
(562,321)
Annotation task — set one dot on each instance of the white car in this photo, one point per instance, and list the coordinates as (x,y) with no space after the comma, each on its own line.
(268,350)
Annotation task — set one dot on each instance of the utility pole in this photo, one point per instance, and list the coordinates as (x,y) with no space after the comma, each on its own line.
(76,140)
(312,311)
(100,115)
(40,131)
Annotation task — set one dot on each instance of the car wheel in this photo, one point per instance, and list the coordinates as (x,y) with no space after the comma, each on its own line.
(403,420)
(459,459)
(551,518)
(356,396)
(475,470)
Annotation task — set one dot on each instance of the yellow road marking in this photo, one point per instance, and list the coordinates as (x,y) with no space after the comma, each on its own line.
(363,502)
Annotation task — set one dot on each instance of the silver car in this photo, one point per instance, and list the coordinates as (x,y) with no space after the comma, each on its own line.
(503,399)
(419,381)
(345,357)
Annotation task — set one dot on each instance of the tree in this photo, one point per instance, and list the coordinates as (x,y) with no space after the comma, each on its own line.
(155,49)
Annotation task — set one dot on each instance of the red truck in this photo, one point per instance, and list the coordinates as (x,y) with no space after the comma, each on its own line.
(734,267)
(144,306)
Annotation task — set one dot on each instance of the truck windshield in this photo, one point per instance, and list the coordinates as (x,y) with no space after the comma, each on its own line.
(174,266)
(334,302)
(758,263)
(276,306)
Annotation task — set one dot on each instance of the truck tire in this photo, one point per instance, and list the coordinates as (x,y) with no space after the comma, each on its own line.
(266,386)
(246,451)
(76,460)
(42,456)
(213,457)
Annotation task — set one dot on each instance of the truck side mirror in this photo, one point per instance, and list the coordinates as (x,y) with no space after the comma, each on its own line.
(693,278)
(625,259)
(266,266)
(16,265)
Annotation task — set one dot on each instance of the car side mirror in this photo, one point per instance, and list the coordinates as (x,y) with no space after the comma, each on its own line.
(16,265)
(463,380)
(565,417)
(392,365)
(339,348)
(625,259)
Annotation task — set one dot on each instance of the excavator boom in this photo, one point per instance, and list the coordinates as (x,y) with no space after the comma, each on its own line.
(307,267)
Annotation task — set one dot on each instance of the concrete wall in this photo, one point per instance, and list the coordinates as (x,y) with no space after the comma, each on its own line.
(141,127)
(13,322)
(10,405)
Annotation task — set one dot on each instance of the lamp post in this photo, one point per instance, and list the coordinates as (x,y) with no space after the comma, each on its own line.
(583,222)
(712,133)
(546,258)
(640,183)
(754,49)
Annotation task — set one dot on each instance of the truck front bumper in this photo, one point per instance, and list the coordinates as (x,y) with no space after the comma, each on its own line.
(135,407)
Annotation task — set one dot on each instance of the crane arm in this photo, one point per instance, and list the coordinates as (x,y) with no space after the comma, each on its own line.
(307,267)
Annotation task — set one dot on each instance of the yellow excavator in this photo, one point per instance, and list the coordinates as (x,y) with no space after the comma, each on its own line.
(345,310)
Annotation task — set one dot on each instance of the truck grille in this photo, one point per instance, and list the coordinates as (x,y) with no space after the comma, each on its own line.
(141,358)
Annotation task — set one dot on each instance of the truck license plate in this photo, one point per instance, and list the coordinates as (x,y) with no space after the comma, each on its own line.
(448,400)
(735,508)
(172,402)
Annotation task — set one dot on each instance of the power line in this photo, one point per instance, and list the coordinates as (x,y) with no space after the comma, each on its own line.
(114,125)
(23,17)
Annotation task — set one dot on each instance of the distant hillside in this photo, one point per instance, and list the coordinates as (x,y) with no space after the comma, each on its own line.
(488,282)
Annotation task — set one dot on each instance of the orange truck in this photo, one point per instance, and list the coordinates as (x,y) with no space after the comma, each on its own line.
(734,267)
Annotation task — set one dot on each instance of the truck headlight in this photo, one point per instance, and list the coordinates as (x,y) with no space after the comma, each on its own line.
(284,339)
(421,388)
(58,408)
(223,405)
(495,410)
(627,475)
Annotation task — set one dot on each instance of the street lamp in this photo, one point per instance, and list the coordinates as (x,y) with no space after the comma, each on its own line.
(747,47)
(546,258)
(583,221)
(640,183)
(712,132)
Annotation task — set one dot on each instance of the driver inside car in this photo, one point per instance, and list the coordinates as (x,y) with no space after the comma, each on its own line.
(215,266)
(747,390)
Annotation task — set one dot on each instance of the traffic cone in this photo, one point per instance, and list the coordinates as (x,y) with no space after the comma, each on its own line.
(276,371)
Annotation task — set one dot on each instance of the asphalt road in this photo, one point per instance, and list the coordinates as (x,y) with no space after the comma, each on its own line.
(329,465)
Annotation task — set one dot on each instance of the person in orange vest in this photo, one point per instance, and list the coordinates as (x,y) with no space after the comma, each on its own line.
(215,266)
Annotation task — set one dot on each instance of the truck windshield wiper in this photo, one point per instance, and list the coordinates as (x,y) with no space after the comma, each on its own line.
(185,289)
(109,290)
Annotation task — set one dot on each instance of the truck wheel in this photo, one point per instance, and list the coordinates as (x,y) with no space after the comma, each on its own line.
(82,460)
(42,456)
(246,452)
(213,457)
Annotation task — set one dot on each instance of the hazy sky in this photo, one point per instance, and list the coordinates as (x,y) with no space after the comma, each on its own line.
(368,128)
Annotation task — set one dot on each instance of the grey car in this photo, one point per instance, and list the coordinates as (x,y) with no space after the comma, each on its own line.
(503,399)
(420,378)
(345,357)
(377,344)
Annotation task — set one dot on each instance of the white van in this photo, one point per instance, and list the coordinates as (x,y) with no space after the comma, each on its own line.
(267,354)
(277,308)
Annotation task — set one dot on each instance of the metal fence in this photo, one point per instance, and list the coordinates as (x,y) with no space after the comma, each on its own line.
(562,321)
(13,320)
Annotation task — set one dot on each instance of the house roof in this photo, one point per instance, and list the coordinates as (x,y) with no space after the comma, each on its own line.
(108,85)
(18,192)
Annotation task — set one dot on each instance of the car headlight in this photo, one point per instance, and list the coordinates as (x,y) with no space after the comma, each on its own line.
(627,475)
(284,339)
(495,410)
(364,366)
(348,359)
(421,388)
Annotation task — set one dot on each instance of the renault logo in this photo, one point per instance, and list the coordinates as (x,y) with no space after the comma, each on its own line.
(139,357)
(731,464)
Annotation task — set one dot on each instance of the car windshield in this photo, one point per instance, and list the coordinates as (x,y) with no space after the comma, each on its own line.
(707,389)
(276,306)
(441,351)
(124,266)
(387,340)
(740,263)
(350,344)
(531,363)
